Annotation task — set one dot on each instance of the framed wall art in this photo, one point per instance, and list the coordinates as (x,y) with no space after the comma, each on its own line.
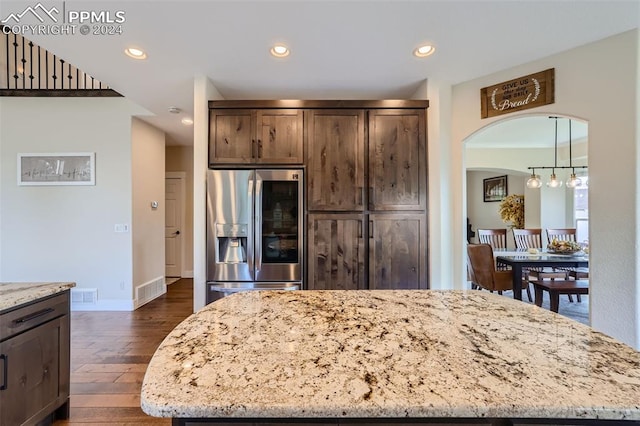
(67,168)
(495,188)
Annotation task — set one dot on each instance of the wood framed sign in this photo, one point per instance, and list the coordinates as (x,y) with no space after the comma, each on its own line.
(525,92)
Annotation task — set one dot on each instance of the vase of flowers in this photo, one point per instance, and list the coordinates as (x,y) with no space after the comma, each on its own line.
(512,210)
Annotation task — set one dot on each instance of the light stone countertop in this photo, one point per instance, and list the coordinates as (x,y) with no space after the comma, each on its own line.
(415,353)
(16,294)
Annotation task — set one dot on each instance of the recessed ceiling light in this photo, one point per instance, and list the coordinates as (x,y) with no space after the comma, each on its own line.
(174,110)
(135,53)
(280,51)
(424,50)
(187,121)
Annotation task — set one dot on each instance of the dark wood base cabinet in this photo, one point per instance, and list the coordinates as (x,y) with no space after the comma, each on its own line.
(34,362)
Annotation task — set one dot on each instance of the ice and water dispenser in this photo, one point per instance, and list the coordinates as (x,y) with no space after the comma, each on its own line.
(232,242)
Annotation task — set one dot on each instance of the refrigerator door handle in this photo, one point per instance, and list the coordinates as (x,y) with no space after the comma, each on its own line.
(257,240)
(250,239)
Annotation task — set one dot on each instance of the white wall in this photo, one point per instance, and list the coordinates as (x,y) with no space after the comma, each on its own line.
(147,228)
(66,233)
(203,92)
(596,83)
(485,215)
(180,159)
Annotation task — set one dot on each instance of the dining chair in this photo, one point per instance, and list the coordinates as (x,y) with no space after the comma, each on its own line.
(565,234)
(528,238)
(532,238)
(561,234)
(483,270)
(496,238)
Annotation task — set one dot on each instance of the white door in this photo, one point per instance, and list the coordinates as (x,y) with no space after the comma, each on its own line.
(173,222)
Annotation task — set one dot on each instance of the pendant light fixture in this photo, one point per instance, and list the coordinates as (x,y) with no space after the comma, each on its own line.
(554,182)
(534,181)
(573,181)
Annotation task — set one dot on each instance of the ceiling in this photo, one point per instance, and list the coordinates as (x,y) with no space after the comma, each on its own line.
(350,49)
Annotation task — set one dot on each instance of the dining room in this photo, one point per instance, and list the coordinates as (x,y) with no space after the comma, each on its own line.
(509,168)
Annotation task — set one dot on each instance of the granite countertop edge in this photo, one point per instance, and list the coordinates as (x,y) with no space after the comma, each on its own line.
(15,294)
(388,354)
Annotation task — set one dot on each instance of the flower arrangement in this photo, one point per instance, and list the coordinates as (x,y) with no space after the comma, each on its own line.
(512,210)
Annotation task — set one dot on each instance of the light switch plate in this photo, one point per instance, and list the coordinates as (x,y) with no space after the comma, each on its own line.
(121,227)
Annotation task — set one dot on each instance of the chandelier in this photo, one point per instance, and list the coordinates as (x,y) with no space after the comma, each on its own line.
(574,181)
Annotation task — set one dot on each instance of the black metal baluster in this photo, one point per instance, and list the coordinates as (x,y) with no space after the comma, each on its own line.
(15,61)
(69,76)
(61,73)
(55,76)
(77,79)
(46,70)
(31,64)
(24,68)
(39,68)
(8,62)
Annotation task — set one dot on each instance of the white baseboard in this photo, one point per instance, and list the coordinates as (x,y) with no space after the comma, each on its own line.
(187,274)
(105,305)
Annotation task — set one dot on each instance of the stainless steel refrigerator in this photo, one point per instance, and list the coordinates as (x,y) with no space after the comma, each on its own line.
(254,230)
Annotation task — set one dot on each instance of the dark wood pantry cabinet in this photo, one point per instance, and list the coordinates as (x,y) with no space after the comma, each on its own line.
(336,251)
(335,160)
(365,173)
(370,161)
(397,159)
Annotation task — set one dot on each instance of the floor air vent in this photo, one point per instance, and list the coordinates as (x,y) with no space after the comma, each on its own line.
(84,295)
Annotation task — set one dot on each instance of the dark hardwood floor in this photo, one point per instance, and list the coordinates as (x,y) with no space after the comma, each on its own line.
(109,356)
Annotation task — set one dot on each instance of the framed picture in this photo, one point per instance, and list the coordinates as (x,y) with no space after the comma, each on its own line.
(67,168)
(495,188)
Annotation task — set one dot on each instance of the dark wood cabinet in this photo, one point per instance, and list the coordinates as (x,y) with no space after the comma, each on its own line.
(250,136)
(336,252)
(397,251)
(365,172)
(397,159)
(369,161)
(335,160)
(34,357)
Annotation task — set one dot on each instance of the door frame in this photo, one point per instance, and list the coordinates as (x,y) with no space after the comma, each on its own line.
(182,176)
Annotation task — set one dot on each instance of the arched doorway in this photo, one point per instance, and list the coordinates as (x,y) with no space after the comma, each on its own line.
(510,147)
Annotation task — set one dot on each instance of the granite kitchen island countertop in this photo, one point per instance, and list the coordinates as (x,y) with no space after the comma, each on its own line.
(14,294)
(388,354)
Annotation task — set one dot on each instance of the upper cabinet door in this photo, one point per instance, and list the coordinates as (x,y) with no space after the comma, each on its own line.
(248,136)
(397,159)
(279,136)
(335,160)
(231,137)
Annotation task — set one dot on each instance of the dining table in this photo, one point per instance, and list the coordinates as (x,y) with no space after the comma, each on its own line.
(520,259)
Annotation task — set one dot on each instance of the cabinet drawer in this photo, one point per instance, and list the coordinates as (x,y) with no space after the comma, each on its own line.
(29,316)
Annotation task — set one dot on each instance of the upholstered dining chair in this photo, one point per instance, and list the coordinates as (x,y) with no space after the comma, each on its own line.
(496,238)
(483,270)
